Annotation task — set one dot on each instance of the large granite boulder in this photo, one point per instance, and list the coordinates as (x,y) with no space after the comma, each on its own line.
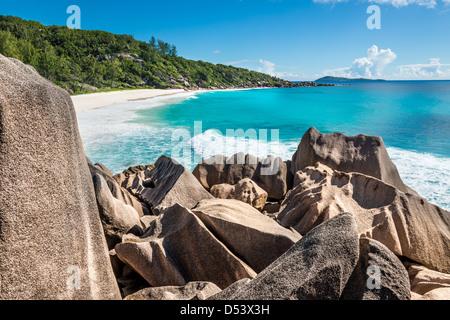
(230,170)
(379,275)
(255,238)
(51,239)
(270,173)
(245,190)
(166,184)
(316,268)
(116,216)
(178,248)
(196,290)
(117,191)
(407,224)
(361,153)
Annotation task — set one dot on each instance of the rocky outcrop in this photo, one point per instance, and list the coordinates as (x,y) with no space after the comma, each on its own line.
(230,290)
(269,173)
(316,268)
(361,153)
(428,284)
(116,190)
(407,224)
(255,238)
(230,170)
(197,290)
(245,190)
(178,248)
(379,275)
(51,239)
(117,217)
(168,183)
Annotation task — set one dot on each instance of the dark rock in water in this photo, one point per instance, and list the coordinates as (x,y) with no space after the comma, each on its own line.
(316,268)
(363,154)
(379,275)
(117,191)
(197,290)
(408,225)
(178,248)
(168,183)
(255,238)
(51,239)
(117,217)
(269,173)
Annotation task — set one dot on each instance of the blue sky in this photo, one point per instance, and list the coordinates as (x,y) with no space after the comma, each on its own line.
(292,39)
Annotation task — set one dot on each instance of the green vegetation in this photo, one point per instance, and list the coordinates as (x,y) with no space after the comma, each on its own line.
(87,61)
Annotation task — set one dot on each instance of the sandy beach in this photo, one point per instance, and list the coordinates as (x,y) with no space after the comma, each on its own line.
(86,102)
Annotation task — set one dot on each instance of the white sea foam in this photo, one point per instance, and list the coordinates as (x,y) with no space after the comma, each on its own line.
(426,173)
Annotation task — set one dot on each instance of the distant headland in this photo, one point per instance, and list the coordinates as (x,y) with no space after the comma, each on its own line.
(329,79)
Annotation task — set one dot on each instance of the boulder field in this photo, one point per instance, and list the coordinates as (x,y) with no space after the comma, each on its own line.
(334,222)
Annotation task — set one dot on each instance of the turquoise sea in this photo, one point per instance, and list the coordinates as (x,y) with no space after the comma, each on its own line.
(412,117)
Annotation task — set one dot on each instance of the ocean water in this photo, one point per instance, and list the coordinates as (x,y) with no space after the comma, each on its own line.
(412,117)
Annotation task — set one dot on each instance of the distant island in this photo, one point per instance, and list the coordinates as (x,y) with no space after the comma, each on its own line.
(85,61)
(329,79)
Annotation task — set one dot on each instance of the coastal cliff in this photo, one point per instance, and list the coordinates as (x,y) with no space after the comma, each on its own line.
(311,230)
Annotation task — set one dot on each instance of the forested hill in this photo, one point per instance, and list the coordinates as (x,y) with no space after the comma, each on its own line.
(88,61)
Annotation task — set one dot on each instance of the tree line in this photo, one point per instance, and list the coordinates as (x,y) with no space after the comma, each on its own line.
(87,61)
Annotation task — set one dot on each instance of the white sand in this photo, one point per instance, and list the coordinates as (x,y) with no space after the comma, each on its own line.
(86,102)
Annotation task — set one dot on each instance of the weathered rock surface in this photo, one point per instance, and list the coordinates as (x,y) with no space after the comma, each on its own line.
(361,153)
(49,221)
(166,184)
(255,238)
(230,170)
(379,275)
(272,176)
(230,290)
(424,280)
(245,190)
(316,268)
(407,224)
(269,173)
(178,248)
(117,191)
(436,294)
(117,217)
(197,290)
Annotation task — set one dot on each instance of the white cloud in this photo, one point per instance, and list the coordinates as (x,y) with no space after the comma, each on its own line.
(216,51)
(404,3)
(434,69)
(368,67)
(269,67)
(396,3)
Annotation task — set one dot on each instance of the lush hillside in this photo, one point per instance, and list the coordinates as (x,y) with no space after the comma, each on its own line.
(86,61)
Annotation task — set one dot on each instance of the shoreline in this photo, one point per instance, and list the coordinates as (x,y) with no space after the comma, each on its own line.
(92,101)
